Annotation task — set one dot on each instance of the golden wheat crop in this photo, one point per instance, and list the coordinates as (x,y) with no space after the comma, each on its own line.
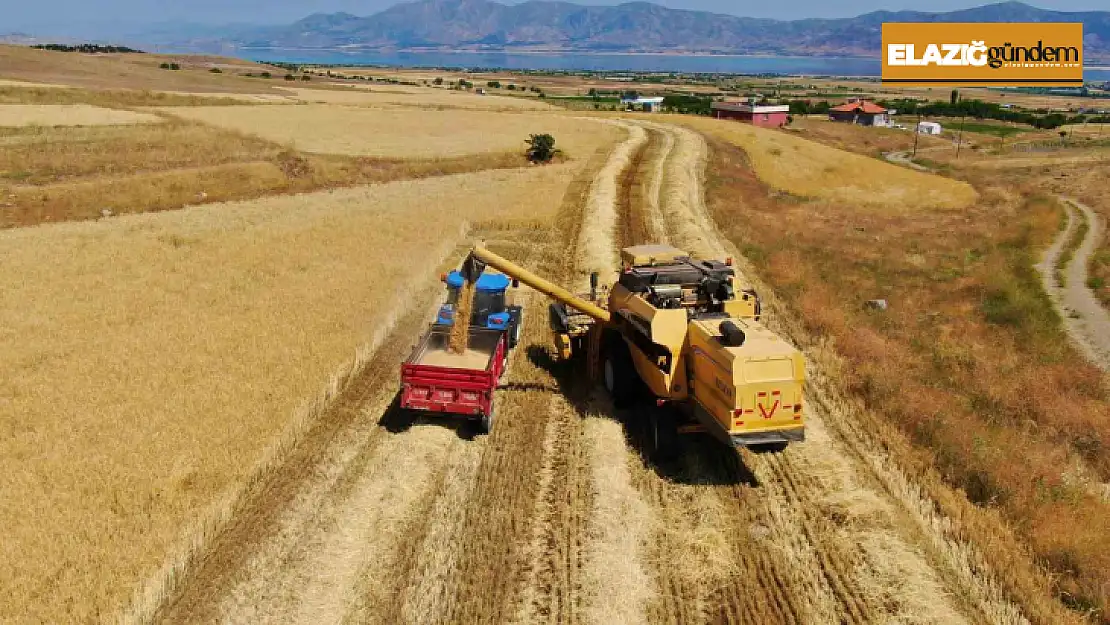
(16,115)
(34,85)
(150,358)
(402,133)
(801,167)
(417,97)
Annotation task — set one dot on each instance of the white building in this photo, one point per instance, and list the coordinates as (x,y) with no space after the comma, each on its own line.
(928,128)
(649,105)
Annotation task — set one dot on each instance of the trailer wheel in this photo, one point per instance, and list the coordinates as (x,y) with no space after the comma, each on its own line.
(618,373)
(662,436)
(514,332)
(486,424)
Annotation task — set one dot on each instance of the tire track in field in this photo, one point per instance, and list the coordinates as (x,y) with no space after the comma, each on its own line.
(500,535)
(798,537)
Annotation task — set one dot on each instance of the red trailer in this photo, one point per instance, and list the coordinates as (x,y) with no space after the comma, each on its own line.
(437,380)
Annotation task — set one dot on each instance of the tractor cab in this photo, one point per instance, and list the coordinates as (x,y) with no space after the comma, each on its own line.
(490,309)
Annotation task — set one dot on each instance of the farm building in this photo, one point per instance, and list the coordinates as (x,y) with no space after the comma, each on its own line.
(860,112)
(768,116)
(649,105)
(928,128)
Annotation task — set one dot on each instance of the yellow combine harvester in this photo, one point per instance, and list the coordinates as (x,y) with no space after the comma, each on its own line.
(674,333)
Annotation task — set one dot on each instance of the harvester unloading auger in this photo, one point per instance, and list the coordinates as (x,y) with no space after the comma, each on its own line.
(675,337)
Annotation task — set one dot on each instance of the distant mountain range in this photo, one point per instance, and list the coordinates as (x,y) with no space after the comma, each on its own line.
(631,27)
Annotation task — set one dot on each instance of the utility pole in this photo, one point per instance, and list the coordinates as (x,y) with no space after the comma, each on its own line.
(960,136)
(916,132)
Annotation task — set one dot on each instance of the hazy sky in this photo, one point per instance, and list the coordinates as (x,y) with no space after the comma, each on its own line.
(37,15)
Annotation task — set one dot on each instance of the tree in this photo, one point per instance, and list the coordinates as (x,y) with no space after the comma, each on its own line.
(438,81)
(175,66)
(511,87)
(494,84)
(164,66)
(541,148)
(955,97)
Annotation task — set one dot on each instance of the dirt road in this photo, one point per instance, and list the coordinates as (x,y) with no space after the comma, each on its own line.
(555,517)
(1086,320)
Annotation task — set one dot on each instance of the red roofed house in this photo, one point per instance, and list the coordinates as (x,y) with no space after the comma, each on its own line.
(768,116)
(860,112)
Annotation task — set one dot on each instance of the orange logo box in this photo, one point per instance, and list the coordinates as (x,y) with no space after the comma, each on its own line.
(1006,54)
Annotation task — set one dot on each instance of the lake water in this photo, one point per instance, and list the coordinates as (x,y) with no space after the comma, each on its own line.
(792,65)
(572,61)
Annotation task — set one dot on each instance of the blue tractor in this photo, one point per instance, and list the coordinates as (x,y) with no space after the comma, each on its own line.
(489,309)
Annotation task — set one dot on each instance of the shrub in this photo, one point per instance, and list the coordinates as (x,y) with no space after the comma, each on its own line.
(216,70)
(174,66)
(265,74)
(438,81)
(290,77)
(306,78)
(164,66)
(541,148)
(511,87)
(494,84)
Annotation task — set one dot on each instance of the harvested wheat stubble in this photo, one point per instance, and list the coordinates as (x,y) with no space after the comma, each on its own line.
(595,242)
(16,115)
(183,374)
(460,330)
(402,133)
(800,547)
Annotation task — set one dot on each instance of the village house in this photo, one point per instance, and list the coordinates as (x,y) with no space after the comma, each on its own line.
(765,115)
(860,112)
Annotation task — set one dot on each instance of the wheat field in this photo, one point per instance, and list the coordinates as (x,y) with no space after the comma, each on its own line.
(149,359)
(401,133)
(801,167)
(18,115)
(394,96)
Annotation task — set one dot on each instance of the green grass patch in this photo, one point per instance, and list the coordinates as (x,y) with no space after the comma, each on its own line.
(990,129)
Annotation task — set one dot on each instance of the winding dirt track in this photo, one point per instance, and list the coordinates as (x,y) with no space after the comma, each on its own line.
(1086,320)
(555,517)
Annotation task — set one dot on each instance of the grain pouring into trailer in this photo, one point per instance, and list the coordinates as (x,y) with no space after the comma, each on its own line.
(676,338)
(454,368)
